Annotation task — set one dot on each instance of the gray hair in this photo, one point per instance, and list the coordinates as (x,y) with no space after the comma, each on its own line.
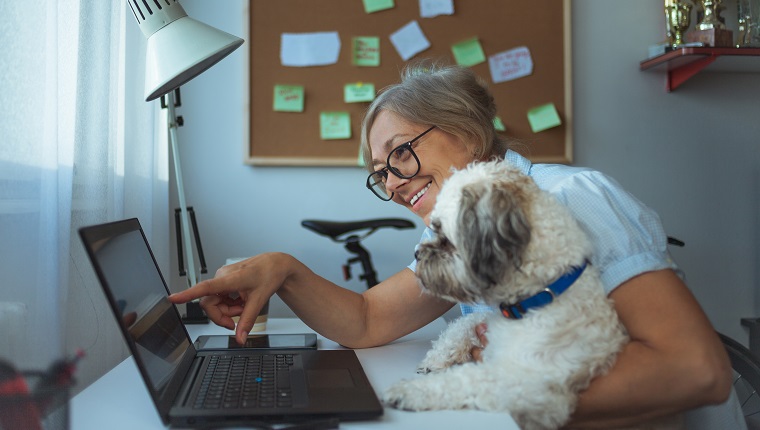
(453,98)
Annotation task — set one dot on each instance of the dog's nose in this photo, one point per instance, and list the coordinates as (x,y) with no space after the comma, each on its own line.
(417,254)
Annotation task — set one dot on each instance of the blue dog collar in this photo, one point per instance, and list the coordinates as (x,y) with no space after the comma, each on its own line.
(518,310)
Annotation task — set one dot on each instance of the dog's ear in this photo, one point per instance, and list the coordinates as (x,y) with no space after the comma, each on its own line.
(494,230)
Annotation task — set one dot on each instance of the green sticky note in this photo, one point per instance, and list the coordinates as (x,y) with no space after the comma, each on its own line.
(358,92)
(468,52)
(498,124)
(366,51)
(288,98)
(377,5)
(334,125)
(543,117)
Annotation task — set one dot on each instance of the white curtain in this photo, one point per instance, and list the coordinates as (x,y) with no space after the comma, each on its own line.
(76,148)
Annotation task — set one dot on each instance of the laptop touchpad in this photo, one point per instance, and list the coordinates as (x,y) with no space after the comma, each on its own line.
(330,378)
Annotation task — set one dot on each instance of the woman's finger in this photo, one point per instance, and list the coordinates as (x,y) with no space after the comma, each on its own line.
(480,332)
(476,353)
(213,307)
(205,288)
(247,320)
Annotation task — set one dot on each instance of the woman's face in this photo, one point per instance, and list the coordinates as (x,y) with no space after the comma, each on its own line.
(437,151)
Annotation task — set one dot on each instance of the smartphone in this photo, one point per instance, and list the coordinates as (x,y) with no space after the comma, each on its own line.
(259,341)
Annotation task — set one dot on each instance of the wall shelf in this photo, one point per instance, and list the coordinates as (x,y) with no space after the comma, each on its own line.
(683,63)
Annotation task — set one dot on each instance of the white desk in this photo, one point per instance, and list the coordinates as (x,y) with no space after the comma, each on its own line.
(119,399)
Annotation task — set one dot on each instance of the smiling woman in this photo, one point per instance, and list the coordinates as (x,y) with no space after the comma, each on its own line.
(402,162)
(436,155)
(459,104)
(671,338)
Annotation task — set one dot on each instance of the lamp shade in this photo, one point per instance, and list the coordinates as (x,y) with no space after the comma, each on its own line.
(179,47)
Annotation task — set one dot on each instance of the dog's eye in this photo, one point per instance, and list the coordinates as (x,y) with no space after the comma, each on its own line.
(444,242)
(440,241)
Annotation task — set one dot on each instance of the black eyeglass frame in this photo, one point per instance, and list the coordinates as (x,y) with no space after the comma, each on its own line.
(388,168)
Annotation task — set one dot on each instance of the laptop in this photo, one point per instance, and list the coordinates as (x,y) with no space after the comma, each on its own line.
(187,385)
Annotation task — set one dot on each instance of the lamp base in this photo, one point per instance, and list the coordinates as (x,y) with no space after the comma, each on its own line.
(194,314)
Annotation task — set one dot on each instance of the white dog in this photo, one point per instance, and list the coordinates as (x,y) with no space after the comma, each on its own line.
(501,240)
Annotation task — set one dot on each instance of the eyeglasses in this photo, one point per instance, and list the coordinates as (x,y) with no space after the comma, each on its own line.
(402,162)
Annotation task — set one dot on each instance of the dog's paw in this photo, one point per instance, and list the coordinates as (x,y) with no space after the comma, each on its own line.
(424,370)
(440,363)
(436,361)
(408,395)
(431,366)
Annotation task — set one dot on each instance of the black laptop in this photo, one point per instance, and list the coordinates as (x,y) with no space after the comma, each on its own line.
(198,388)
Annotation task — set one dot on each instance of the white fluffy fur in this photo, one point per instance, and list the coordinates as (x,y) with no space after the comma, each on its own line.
(501,239)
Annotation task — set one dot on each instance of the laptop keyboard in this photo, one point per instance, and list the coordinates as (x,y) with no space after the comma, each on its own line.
(261,381)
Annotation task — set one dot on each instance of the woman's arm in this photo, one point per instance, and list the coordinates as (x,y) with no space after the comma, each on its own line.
(391,309)
(674,362)
(387,311)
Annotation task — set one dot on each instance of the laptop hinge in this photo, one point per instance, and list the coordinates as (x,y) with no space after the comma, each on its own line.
(187,385)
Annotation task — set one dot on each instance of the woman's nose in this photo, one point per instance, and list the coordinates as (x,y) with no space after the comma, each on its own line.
(393,182)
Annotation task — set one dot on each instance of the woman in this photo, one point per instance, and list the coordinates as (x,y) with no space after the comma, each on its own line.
(414,133)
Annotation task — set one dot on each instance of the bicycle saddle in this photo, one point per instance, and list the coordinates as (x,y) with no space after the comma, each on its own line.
(334,229)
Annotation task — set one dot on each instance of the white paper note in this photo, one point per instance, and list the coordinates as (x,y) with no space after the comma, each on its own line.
(431,8)
(409,40)
(309,49)
(509,65)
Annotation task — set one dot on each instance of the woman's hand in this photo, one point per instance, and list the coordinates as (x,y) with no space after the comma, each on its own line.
(239,289)
(480,332)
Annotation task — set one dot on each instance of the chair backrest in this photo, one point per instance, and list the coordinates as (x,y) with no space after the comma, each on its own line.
(746,379)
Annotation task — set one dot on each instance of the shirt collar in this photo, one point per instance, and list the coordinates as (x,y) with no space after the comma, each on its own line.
(518,161)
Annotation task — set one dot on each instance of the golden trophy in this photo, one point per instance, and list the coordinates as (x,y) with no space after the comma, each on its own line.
(710,30)
(677,21)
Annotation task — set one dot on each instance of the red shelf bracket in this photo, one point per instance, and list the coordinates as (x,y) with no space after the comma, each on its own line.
(679,75)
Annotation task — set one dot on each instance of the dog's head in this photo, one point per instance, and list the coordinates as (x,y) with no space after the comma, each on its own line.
(488,237)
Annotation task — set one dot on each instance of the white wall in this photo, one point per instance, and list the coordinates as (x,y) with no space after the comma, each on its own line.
(692,155)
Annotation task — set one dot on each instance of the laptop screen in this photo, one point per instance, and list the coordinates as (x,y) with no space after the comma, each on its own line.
(125,264)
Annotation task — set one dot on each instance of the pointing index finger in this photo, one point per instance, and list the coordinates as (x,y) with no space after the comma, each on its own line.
(201,289)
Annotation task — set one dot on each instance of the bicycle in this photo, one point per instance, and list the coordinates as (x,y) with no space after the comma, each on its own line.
(344,232)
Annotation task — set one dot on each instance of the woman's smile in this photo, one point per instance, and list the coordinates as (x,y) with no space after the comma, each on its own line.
(438,152)
(419,194)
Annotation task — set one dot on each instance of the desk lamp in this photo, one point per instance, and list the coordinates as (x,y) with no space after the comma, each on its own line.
(179,48)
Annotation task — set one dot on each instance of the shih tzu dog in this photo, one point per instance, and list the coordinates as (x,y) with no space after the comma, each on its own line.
(502,241)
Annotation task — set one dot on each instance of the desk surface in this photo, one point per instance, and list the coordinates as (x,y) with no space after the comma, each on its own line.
(119,399)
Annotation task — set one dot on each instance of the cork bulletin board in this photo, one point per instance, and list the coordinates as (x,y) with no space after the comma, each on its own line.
(293,138)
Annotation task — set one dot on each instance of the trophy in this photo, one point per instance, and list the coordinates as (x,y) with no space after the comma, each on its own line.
(677,21)
(749,18)
(711,30)
(743,39)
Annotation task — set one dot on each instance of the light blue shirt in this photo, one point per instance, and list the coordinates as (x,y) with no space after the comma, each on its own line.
(628,240)
(627,236)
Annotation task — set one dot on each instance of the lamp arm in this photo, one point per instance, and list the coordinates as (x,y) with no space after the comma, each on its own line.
(198,245)
(184,218)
